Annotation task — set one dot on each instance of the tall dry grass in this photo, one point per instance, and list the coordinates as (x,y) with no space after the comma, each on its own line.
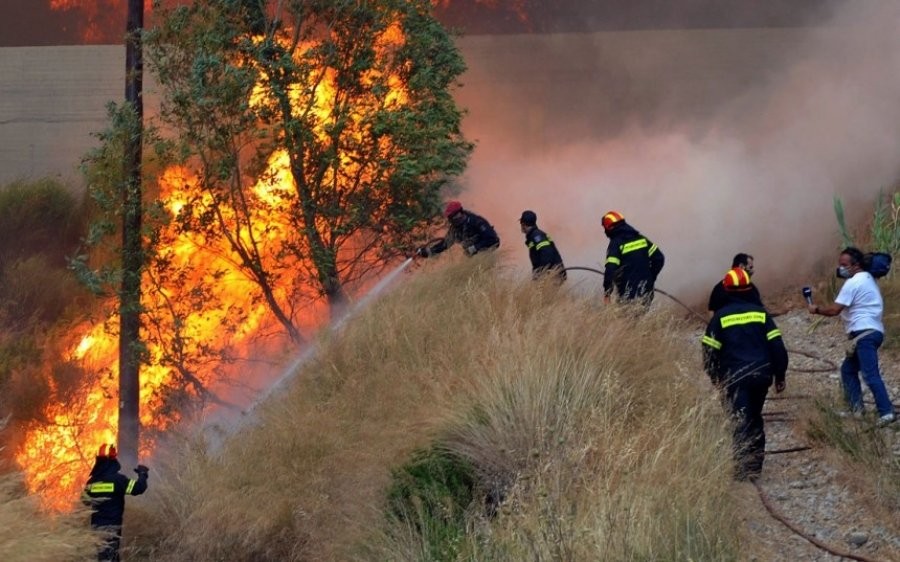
(28,534)
(586,428)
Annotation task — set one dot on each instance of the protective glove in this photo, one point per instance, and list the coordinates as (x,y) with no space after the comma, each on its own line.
(423,252)
(471,250)
(141,469)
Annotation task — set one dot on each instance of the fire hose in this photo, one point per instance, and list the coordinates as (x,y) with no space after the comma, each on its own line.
(799,532)
(830,365)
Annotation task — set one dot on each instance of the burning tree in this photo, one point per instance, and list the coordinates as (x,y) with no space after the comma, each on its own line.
(318,134)
(300,149)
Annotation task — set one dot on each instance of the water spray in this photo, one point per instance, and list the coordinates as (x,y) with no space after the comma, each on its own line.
(311,350)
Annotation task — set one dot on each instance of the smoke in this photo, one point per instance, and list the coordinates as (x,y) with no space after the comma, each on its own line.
(711,142)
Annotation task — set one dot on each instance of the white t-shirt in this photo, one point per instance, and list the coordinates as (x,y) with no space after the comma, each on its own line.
(862,303)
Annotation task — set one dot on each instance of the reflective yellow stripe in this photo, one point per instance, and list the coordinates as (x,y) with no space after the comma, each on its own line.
(776,333)
(743,318)
(102,488)
(543,244)
(634,246)
(130,486)
(613,259)
(652,250)
(530,245)
(712,342)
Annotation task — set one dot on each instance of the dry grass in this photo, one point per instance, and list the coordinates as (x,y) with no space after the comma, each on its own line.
(585,419)
(29,535)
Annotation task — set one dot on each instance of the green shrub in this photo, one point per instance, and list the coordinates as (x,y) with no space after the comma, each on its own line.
(430,496)
(32,290)
(40,217)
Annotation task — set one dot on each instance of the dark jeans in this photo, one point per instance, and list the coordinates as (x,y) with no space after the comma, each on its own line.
(745,398)
(865,359)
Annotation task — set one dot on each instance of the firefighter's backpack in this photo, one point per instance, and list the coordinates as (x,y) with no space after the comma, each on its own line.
(878,264)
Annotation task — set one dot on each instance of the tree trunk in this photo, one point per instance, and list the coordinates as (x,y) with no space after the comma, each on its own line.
(132,255)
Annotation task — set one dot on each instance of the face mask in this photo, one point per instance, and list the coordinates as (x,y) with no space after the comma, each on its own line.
(843,272)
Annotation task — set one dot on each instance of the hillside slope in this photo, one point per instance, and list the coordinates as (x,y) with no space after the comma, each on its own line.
(466,417)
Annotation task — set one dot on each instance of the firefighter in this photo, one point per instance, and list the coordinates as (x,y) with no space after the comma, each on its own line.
(633,262)
(105,493)
(718,297)
(743,353)
(542,251)
(471,231)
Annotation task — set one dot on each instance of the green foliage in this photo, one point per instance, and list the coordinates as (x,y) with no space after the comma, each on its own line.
(846,237)
(41,223)
(430,496)
(886,224)
(100,268)
(883,233)
(363,113)
(42,217)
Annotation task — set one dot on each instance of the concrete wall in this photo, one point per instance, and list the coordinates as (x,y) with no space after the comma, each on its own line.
(51,100)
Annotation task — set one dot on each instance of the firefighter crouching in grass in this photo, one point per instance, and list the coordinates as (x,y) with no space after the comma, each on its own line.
(105,493)
(472,232)
(743,353)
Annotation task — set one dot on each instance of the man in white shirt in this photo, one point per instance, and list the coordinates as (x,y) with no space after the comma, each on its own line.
(860,305)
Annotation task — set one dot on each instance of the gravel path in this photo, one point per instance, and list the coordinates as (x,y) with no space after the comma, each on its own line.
(815,489)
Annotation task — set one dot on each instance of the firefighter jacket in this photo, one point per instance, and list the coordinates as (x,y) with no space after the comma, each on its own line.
(106,489)
(742,341)
(633,263)
(719,297)
(543,253)
(472,232)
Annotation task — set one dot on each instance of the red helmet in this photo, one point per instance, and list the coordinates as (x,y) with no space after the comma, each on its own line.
(452,208)
(737,279)
(110,454)
(611,219)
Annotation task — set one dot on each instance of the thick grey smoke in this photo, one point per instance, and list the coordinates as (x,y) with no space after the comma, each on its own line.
(711,142)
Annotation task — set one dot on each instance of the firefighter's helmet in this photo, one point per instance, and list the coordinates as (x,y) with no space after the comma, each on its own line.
(109,453)
(611,219)
(452,208)
(737,279)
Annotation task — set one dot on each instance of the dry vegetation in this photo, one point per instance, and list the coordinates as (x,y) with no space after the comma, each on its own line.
(460,392)
(28,535)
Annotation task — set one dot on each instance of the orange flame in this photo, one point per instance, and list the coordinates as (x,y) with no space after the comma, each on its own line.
(56,456)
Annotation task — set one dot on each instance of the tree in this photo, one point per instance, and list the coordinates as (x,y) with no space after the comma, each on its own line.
(317,135)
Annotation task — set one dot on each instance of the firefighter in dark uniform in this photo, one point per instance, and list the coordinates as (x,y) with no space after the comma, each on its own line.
(471,231)
(105,493)
(743,353)
(541,250)
(633,262)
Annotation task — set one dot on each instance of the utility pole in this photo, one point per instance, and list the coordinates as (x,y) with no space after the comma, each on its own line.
(132,251)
